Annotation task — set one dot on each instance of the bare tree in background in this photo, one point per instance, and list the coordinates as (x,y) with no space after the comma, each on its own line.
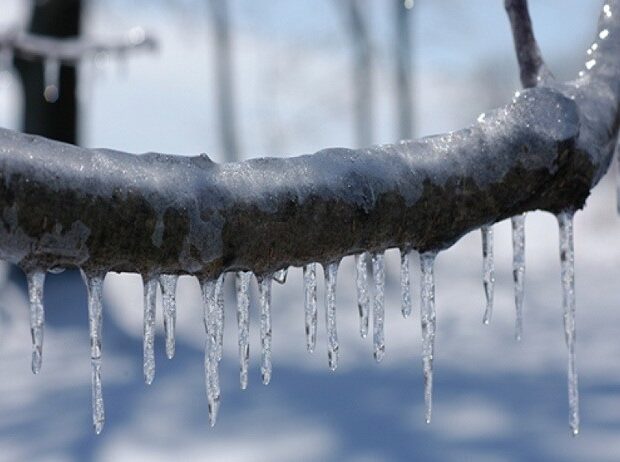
(224,81)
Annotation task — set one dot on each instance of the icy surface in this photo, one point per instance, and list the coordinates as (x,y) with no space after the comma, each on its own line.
(168,283)
(310,310)
(36,281)
(518,269)
(242,282)
(150,292)
(405,283)
(94,288)
(378,306)
(211,360)
(331,273)
(363,298)
(488,271)
(567,261)
(264,290)
(427,320)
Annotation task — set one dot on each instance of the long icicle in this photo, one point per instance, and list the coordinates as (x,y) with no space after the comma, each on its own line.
(264,289)
(243,324)
(405,283)
(168,283)
(363,299)
(94,287)
(331,273)
(378,307)
(310,311)
(210,319)
(488,271)
(36,281)
(427,320)
(219,324)
(148,351)
(567,260)
(518,269)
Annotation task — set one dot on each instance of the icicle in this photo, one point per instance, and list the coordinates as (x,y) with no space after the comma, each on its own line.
(148,350)
(219,325)
(363,300)
(94,287)
(310,311)
(36,280)
(518,269)
(243,324)
(567,259)
(211,320)
(264,289)
(378,307)
(617,154)
(427,319)
(331,272)
(488,271)
(51,73)
(168,283)
(280,276)
(405,283)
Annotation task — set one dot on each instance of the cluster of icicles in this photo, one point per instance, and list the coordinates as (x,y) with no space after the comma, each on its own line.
(213,303)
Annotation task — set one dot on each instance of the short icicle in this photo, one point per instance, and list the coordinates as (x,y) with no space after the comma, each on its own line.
(488,271)
(567,260)
(36,281)
(405,283)
(378,306)
(363,299)
(310,311)
(242,282)
(264,289)
(94,287)
(331,273)
(168,283)
(148,351)
(210,319)
(280,276)
(427,320)
(518,269)
(219,324)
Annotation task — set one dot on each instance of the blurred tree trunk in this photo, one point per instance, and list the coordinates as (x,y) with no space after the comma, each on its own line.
(56,120)
(224,81)
(404,73)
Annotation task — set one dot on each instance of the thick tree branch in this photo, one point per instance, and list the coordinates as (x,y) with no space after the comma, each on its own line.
(61,205)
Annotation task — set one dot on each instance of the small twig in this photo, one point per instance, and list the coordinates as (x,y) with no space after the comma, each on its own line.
(532,67)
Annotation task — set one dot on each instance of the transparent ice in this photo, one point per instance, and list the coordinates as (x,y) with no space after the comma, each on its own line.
(148,352)
(363,299)
(427,319)
(310,311)
(518,269)
(242,283)
(331,273)
(488,271)
(378,306)
(36,281)
(264,290)
(168,283)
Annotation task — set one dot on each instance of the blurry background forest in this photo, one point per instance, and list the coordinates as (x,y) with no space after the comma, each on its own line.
(295,90)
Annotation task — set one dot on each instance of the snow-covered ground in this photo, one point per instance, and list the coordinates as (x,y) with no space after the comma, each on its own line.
(495,399)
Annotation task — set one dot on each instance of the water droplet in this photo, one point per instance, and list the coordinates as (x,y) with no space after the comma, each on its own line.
(280,276)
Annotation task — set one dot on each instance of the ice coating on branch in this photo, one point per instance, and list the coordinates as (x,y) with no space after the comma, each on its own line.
(331,273)
(280,276)
(264,291)
(168,283)
(488,271)
(405,283)
(427,320)
(51,73)
(94,288)
(148,344)
(378,306)
(363,299)
(567,261)
(36,281)
(242,282)
(518,269)
(210,319)
(310,311)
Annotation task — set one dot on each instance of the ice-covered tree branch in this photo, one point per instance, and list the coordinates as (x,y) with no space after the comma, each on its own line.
(68,206)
